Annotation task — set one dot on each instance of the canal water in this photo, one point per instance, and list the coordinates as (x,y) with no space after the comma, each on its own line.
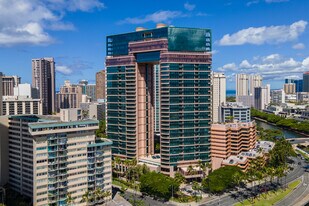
(287,133)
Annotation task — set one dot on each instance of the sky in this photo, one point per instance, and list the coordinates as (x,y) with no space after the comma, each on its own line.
(267,37)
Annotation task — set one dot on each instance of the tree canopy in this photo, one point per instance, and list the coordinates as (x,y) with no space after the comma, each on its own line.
(158,185)
(302,126)
(221,179)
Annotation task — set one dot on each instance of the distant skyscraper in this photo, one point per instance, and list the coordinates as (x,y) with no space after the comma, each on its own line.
(175,63)
(88,89)
(289,81)
(218,94)
(69,96)
(100,84)
(306,82)
(43,79)
(289,88)
(299,85)
(242,84)
(261,97)
(255,80)
(277,96)
(8,84)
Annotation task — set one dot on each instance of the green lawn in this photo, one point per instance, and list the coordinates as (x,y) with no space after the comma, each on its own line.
(120,184)
(270,198)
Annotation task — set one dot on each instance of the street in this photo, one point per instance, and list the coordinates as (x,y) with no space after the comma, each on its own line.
(242,194)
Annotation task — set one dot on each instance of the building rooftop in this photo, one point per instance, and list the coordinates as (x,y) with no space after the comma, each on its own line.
(234,105)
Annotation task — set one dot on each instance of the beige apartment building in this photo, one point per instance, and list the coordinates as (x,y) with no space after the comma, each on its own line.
(8,84)
(289,88)
(70,96)
(16,105)
(229,139)
(48,159)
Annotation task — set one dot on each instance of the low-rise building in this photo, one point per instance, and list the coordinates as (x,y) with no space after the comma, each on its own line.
(290,98)
(273,109)
(235,111)
(244,158)
(229,139)
(58,158)
(302,97)
(247,100)
(18,105)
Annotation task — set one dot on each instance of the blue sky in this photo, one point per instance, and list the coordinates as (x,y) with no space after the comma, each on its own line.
(269,37)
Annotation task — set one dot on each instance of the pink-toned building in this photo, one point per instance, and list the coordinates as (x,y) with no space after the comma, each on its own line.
(231,139)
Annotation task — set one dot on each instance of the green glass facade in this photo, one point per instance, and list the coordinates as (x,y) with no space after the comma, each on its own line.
(175,89)
(185,112)
(179,39)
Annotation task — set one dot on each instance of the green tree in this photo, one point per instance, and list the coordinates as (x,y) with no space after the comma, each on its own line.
(87,197)
(280,153)
(101,132)
(221,179)
(70,200)
(179,178)
(158,185)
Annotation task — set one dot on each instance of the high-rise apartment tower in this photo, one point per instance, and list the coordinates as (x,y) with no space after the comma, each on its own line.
(218,94)
(158,81)
(100,84)
(43,79)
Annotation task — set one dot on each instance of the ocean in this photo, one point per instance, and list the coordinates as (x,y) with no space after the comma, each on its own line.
(231,93)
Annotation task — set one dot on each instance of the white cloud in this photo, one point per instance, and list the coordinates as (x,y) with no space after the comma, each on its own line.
(252,2)
(189,7)
(75,5)
(214,52)
(65,70)
(202,14)
(275,1)
(61,26)
(265,35)
(271,69)
(245,64)
(271,58)
(159,16)
(306,62)
(298,46)
(228,67)
(28,21)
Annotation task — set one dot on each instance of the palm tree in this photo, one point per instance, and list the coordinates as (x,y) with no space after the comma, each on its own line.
(107,194)
(117,166)
(87,197)
(98,194)
(179,178)
(203,167)
(238,178)
(190,170)
(209,166)
(70,199)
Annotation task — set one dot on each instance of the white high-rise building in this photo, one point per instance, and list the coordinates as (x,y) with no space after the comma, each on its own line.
(255,80)
(261,97)
(218,94)
(242,84)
